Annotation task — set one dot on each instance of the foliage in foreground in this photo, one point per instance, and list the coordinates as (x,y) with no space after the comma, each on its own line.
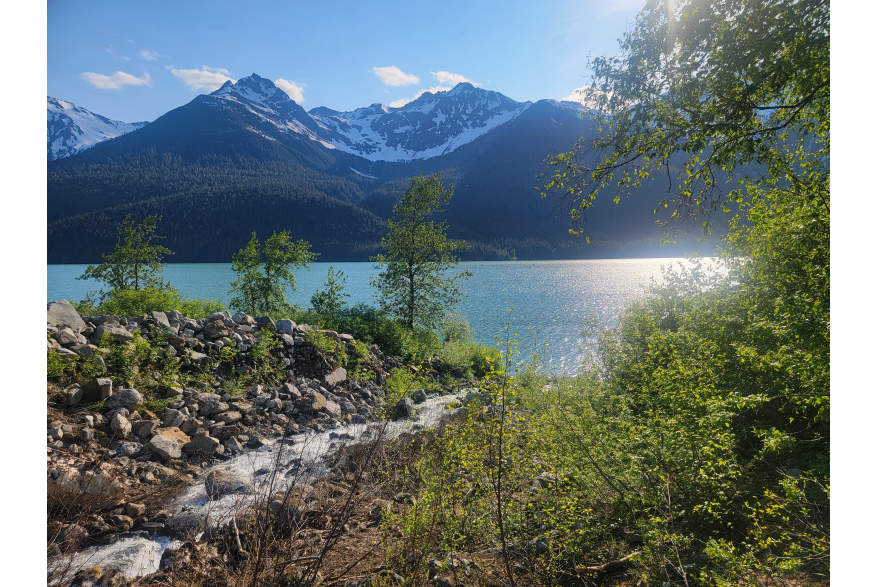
(699,439)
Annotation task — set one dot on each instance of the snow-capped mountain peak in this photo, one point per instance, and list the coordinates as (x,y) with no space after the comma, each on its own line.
(71,128)
(255,89)
(434,124)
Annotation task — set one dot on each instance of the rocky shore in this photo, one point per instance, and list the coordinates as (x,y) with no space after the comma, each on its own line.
(115,460)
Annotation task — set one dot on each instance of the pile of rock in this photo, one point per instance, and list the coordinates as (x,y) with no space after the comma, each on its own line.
(198,341)
(206,424)
(199,422)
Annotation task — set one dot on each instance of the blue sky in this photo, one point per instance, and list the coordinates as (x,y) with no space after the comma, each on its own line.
(134,61)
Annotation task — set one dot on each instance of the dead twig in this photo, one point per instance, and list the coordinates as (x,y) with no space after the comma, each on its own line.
(237,535)
(609,566)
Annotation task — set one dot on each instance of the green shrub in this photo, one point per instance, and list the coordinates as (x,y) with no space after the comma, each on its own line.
(401,383)
(419,344)
(55,365)
(454,328)
(322,342)
(131,302)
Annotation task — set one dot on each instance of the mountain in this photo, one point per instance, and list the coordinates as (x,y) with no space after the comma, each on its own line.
(247,158)
(71,128)
(434,124)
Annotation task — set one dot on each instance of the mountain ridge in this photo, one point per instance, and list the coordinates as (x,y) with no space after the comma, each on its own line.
(247,158)
(71,129)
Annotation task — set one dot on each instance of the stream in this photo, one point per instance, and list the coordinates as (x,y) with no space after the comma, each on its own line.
(299,457)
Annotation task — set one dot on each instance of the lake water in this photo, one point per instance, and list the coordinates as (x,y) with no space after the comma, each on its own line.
(549,300)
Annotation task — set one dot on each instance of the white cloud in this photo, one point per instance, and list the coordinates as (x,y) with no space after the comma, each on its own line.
(433,90)
(587,96)
(292,89)
(206,78)
(147,55)
(577,95)
(446,77)
(393,76)
(117,81)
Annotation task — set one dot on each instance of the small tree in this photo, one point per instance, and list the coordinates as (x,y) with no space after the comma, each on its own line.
(330,301)
(414,284)
(136,262)
(264,274)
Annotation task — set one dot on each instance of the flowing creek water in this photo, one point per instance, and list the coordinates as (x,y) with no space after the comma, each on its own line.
(300,456)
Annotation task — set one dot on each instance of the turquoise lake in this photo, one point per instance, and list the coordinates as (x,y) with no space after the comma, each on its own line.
(549,300)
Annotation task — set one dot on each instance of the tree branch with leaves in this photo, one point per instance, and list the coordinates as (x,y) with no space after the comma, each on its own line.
(414,285)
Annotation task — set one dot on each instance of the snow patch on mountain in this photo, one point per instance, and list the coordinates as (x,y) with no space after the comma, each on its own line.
(71,128)
(362,174)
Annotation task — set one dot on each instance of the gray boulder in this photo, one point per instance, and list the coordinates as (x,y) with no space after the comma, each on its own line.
(286,326)
(215,329)
(204,445)
(62,313)
(66,337)
(226,432)
(228,417)
(72,396)
(404,409)
(266,322)
(120,425)
(164,447)
(419,396)
(116,332)
(105,319)
(173,392)
(128,398)
(290,389)
(218,408)
(198,358)
(161,319)
(190,425)
(146,428)
(332,409)
(337,376)
(128,449)
(233,446)
(224,315)
(173,418)
(317,401)
(182,526)
(66,354)
(85,351)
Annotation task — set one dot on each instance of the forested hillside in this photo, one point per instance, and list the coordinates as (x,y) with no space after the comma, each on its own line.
(216,174)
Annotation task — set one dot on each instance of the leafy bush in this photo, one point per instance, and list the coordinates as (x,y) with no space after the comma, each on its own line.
(129,302)
(365,323)
(324,343)
(330,302)
(55,365)
(459,354)
(418,344)
(401,383)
